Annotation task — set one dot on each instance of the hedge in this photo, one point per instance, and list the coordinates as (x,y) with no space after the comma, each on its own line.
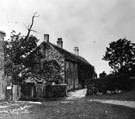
(112,83)
(56,91)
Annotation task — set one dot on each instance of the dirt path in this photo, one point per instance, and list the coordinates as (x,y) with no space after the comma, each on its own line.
(130,104)
(81,93)
(76,94)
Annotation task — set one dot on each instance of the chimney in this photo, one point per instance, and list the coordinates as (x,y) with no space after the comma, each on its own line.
(76,50)
(46,38)
(60,42)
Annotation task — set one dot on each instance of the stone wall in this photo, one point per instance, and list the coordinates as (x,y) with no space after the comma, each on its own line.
(2,81)
(49,53)
(40,90)
(68,73)
(71,75)
(56,91)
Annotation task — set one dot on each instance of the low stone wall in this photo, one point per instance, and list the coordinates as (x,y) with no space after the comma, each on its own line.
(40,90)
(3,90)
(56,91)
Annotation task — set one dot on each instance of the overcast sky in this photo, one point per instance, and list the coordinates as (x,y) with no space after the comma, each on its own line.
(89,24)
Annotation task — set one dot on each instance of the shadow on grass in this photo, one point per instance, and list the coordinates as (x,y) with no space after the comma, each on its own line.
(125,96)
(80,109)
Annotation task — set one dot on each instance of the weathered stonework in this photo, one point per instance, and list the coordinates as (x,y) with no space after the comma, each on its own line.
(71,75)
(68,74)
(49,53)
(2,82)
(74,69)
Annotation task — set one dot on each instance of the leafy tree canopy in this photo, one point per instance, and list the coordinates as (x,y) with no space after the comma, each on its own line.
(16,50)
(121,56)
(102,75)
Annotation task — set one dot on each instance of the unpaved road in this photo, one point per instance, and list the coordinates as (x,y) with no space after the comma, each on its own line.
(81,93)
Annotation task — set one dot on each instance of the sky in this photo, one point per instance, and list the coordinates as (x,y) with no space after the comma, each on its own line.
(88,24)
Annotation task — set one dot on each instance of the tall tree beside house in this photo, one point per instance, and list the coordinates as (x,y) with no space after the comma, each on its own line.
(16,50)
(121,56)
(15,57)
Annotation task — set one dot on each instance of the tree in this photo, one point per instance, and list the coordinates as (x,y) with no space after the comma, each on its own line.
(16,50)
(102,75)
(121,56)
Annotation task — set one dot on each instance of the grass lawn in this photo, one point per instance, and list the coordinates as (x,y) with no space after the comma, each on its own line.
(82,109)
(75,109)
(127,96)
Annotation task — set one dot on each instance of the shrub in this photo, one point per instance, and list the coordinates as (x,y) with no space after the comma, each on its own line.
(111,83)
(56,91)
(123,82)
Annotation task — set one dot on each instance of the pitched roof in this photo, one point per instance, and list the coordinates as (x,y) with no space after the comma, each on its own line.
(70,56)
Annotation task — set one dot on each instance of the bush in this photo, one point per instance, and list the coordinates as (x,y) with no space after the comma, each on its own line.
(111,83)
(56,91)
(119,82)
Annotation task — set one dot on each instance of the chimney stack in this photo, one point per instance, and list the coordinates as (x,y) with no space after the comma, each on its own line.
(76,50)
(60,42)
(46,38)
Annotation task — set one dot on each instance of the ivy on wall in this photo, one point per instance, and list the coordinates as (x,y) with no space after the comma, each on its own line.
(51,71)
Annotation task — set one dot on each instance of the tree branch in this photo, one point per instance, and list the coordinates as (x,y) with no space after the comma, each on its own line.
(30,27)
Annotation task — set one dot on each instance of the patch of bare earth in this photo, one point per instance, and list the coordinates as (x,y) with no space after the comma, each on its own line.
(82,93)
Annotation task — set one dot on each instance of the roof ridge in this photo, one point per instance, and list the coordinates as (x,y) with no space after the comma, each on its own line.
(62,48)
(68,55)
(76,57)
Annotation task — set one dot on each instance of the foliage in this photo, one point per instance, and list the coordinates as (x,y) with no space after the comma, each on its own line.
(85,72)
(16,51)
(111,83)
(121,56)
(56,91)
(102,75)
(51,71)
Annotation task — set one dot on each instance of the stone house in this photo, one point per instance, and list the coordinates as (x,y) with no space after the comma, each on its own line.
(74,69)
